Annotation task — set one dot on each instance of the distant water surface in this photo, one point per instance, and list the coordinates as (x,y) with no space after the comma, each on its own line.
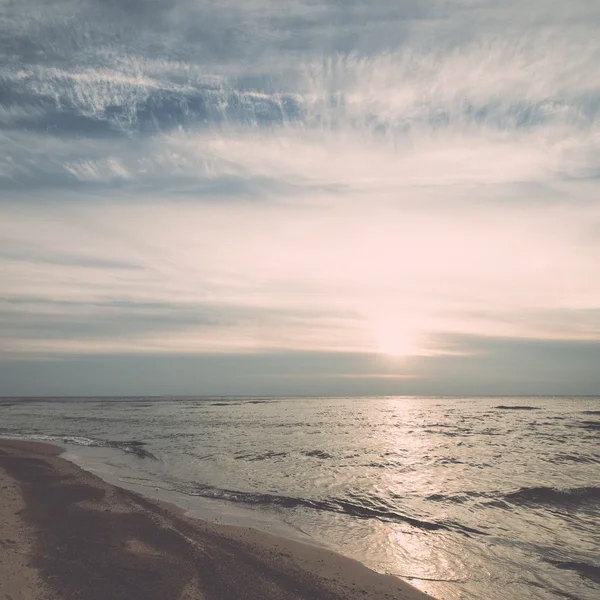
(494,498)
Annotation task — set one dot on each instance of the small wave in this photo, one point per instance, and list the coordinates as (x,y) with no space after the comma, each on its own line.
(456,499)
(446,433)
(583,569)
(318,454)
(239,402)
(459,498)
(130,447)
(377,510)
(573,458)
(448,461)
(590,412)
(591,425)
(397,466)
(258,457)
(554,496)
(516,407)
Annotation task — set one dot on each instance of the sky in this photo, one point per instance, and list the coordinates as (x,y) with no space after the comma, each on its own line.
(205,197)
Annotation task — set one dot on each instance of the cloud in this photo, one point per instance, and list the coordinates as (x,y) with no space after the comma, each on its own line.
(491,111)
(298,276)
(510,367)
(325,177)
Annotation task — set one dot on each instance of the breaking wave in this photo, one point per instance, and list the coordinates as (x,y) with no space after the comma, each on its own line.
(362,508)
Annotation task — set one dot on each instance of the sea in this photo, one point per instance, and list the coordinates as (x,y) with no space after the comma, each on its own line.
(491,498)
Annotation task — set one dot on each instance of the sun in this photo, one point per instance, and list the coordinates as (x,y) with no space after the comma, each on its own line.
(395,340)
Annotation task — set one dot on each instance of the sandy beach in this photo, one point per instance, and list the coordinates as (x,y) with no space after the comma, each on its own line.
(66,534)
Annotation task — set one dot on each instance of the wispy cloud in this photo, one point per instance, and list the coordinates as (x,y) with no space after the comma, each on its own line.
(363,178)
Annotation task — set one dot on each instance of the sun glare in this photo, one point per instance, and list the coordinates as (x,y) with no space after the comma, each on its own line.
(395,340)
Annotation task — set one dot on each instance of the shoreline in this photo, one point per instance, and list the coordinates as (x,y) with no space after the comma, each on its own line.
(73,535)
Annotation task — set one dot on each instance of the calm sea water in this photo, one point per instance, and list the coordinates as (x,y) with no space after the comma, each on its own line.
(494,498)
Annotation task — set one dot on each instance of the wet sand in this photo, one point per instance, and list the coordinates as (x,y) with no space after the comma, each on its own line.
(66,534)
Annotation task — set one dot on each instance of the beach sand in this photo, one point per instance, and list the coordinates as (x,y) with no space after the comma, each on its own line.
(66,534)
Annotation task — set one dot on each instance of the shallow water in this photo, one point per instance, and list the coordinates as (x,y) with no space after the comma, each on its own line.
(472,498)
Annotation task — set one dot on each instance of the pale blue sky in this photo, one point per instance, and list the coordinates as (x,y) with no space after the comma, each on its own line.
(299,197)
